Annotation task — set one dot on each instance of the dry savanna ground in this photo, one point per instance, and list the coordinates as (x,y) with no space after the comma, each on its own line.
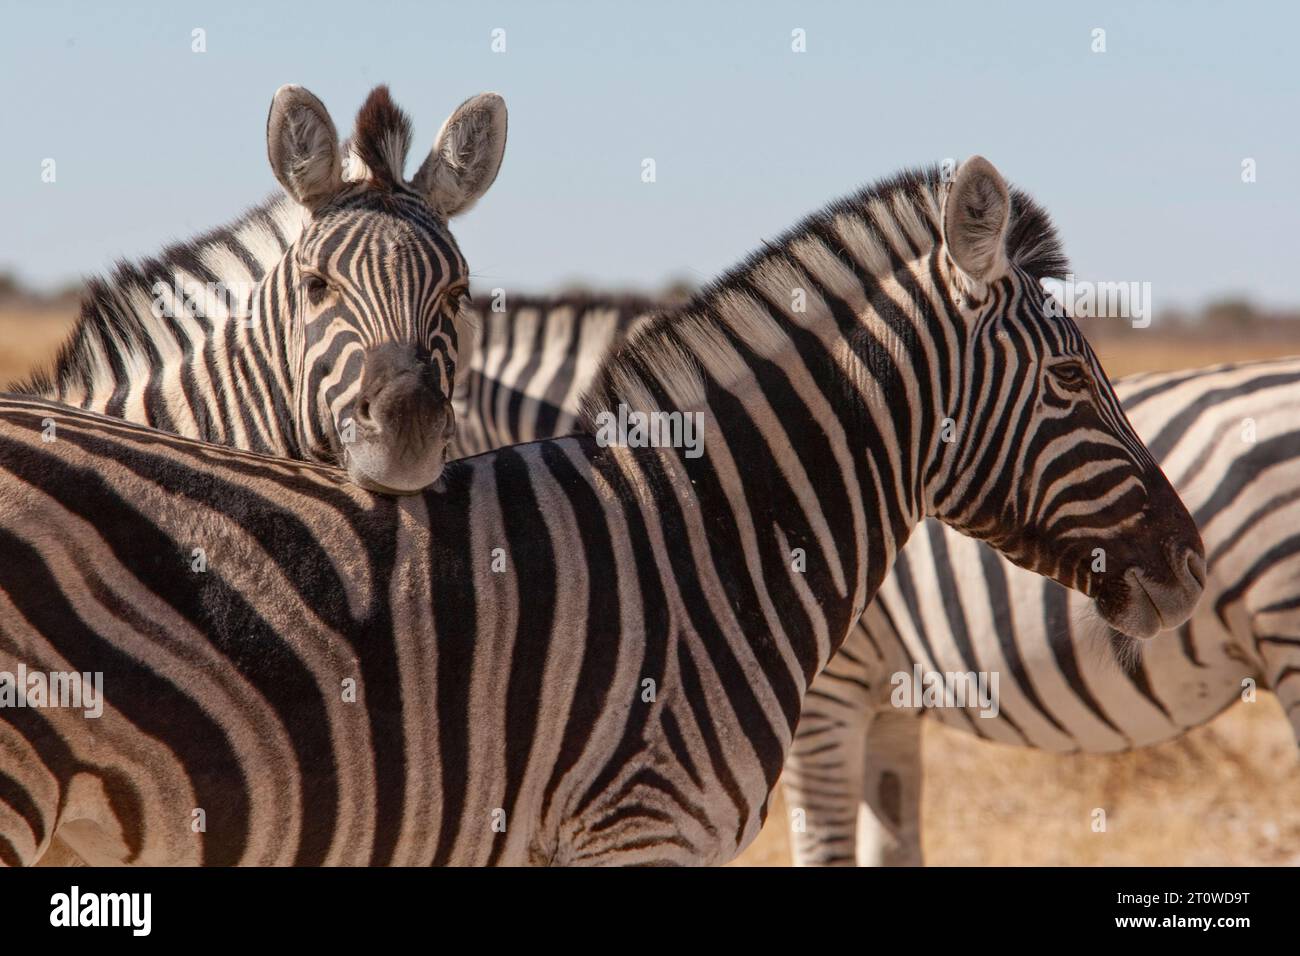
(30,336)
(1227,793)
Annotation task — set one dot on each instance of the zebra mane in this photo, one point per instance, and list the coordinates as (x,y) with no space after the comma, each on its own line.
(901,212)
(378,147)
(117,307)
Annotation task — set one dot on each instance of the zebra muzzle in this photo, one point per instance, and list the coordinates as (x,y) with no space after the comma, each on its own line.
(404,423)
(1141,604)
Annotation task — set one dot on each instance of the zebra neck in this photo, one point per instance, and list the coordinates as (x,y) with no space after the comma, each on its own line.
(813,428)
(191,341)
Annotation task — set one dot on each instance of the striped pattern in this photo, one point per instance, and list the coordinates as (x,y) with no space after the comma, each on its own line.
(258,334)
(530,363)
(181,373)
(1228,438)
(564,653)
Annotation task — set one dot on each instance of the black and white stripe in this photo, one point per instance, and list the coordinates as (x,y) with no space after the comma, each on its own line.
(1228,438)
(262,334)
(530,363)
(564,652)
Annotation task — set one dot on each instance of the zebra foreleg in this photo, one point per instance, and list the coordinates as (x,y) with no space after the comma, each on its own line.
(889,829)
(1278,641)
(823,780)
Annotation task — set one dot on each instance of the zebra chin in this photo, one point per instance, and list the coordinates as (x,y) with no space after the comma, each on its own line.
(376,467)
(1141,606)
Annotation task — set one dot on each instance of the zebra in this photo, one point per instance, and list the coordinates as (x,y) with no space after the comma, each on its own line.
(526,390)
(1228,439)
(322,325)
(530,362)
(572,651)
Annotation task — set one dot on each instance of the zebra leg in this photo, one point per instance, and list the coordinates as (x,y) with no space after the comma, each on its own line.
(1278,642)
(889,829)
(822,783)
(824,771)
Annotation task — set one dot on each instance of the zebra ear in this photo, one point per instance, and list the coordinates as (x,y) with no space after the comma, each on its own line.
(466,156)
(976,214)
(303,147)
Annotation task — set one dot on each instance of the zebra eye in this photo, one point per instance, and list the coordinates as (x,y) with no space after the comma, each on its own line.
(456,300)
(1069,374)
(315,287)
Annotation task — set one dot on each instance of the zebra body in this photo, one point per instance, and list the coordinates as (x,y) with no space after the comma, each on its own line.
(562,652)
(1227,438)
(321,325)
(530,364)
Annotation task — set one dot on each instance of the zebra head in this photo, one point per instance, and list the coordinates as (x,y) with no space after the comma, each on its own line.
(375,282)
(1045,465)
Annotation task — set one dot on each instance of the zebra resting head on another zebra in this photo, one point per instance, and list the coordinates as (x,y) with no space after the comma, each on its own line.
(322,325)
(377,281)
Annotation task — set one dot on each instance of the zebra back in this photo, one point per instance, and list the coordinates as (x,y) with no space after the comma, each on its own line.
(530,363)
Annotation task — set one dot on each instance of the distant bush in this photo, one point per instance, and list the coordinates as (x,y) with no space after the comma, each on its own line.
(14,290)
(1230,315)
(10,287)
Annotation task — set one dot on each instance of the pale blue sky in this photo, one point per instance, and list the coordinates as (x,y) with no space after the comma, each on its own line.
(1136,151)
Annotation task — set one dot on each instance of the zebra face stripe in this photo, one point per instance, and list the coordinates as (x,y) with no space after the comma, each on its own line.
(377,290)
(1080,500)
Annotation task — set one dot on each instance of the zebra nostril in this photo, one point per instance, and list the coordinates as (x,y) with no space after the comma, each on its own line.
(1196,567)
(363,412)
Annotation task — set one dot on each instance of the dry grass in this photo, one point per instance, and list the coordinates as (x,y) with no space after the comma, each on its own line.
(1224,794)
(1126,356)
(29,337)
